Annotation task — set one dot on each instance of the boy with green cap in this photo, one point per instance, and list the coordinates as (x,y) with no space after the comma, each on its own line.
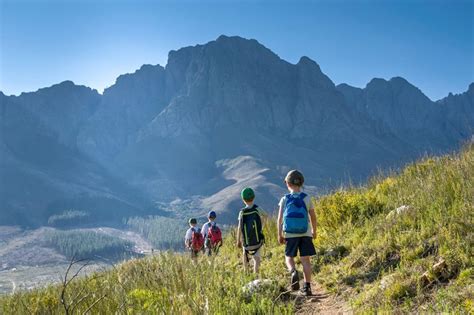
(249,235)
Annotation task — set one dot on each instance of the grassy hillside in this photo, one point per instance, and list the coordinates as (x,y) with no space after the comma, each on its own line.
(419,258)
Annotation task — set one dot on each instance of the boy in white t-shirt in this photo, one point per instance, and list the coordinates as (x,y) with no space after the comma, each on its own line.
(212,242)
(193,240)
(297,229)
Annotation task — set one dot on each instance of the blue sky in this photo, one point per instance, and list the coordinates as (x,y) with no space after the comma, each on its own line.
(430,43)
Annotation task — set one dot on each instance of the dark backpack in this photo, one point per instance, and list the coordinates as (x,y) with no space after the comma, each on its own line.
(295,215)
(214,235)
(251,227)
(197,240)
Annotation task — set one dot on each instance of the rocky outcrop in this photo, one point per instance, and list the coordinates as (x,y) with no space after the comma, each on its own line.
(64,108)
(232,106)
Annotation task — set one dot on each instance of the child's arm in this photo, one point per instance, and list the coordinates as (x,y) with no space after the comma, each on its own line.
(186,240)
(239,233)
(312,216)
(281,239)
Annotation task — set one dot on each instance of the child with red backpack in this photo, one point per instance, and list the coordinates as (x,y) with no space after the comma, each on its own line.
(212,234)
(193,241)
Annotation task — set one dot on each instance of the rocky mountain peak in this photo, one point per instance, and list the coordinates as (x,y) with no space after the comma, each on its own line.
(165,129)
(306,61)
(310,70)
(146,75)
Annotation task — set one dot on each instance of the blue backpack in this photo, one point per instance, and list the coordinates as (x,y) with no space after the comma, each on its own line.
(295,215)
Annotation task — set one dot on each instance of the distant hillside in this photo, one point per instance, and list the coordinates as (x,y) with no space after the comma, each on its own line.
(400,244)
(42,172)
(218,117)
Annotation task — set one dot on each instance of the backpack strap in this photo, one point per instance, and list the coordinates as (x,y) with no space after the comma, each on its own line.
(254,208)
(253,251)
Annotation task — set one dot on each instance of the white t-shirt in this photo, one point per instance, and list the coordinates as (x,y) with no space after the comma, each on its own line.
(205,228)
(189,233)
(282,204)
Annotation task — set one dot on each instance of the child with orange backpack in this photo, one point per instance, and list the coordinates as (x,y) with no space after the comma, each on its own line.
(212,234)
(193,241)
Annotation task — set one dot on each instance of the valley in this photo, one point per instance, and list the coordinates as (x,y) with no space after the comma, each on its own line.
(28,261)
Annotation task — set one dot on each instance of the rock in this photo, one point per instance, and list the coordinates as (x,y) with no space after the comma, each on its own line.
(399,211)
(386,281)
(438,271)
(257,286)
(403,209)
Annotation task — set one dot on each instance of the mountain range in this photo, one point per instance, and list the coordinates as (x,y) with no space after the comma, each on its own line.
(216,118)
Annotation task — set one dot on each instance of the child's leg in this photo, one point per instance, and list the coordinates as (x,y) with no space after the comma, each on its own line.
(245,260)
(306,262)
(306,251)
(256,261)
(290,263)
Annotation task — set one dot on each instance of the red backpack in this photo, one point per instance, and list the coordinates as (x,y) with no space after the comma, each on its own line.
(214,235)
(197,240)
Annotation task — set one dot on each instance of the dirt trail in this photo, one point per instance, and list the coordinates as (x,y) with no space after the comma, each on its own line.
(321,302)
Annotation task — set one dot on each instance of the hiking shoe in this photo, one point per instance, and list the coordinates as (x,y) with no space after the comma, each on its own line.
(295,280)
(306,290)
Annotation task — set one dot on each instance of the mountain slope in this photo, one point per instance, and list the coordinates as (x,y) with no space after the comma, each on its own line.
(233,97)
(173,134)
(380,259)
(43,174)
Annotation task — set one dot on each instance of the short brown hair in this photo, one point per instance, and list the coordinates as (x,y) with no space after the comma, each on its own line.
(295,177)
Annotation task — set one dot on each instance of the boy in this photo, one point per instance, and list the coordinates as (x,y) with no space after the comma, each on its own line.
(212,234)
(294,230)
(193,240)
(250,230)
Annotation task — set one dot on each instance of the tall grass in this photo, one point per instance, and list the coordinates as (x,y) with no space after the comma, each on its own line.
(388,253)
(167,283)
(376,258)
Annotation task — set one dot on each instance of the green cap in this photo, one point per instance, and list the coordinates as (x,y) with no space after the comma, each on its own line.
(192,221)
(247,194)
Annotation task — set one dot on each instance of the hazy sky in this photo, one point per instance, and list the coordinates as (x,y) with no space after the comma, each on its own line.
(430,43)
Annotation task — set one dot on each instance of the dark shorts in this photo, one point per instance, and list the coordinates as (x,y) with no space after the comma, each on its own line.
(302,244)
